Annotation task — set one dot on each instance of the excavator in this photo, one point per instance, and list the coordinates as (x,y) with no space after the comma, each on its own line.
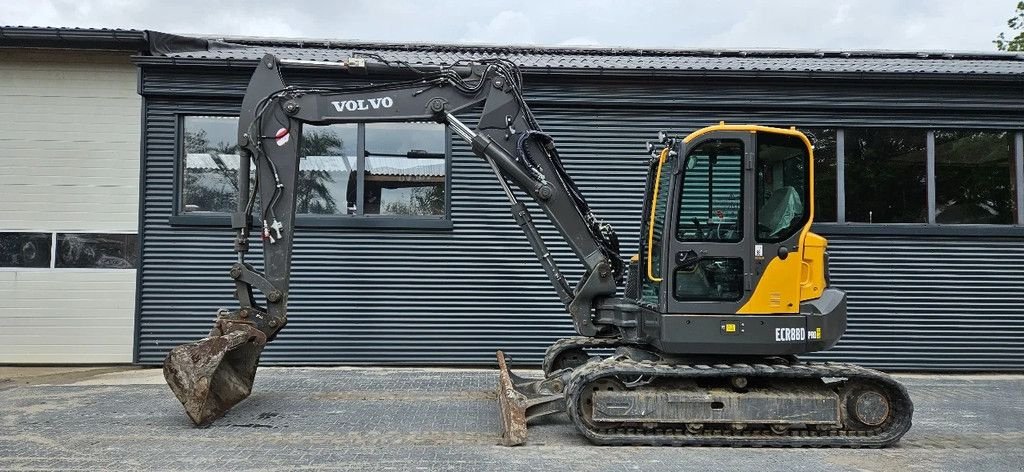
(728,287)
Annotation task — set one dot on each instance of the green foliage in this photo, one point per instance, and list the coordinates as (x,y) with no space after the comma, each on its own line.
(425,201)
(886,175)
(974,177)
(1016,25)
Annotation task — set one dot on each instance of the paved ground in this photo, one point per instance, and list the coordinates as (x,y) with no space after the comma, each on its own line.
(423,419)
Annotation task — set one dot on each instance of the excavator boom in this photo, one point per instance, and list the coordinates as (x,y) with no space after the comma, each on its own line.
(212,375)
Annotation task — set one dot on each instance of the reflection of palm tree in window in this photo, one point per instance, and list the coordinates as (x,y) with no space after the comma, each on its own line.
(427,200)
(312,192)
(204,197)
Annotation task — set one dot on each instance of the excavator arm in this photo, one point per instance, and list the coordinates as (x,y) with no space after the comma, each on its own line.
(212,375)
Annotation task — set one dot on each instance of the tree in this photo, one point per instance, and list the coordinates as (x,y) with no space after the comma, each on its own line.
(312,194)
(425,200)
(1016,25)
(210,189)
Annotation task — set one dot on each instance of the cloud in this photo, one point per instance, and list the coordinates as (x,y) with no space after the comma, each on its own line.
(507,27)
(579,41)
(842,24)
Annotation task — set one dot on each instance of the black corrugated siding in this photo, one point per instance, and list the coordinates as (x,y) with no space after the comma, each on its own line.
(453,297)
(932,303)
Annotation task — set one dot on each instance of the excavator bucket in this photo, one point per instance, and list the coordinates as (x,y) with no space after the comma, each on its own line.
(215,373)
(521,400)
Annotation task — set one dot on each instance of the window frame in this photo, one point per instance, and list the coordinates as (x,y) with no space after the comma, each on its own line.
(930,227)
(411,222)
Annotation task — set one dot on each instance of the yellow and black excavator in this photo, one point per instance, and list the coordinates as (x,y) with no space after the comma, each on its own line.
(728,287)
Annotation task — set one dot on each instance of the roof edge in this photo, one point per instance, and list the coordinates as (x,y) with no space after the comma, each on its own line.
(73,38)
(301,43)
(611,73)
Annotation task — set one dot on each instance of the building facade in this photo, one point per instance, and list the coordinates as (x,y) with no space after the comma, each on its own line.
(918,181)
(406,252)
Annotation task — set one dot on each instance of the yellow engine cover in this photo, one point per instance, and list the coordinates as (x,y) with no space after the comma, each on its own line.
(787,282)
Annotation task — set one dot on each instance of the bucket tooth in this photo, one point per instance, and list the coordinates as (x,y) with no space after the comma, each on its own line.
(215,373)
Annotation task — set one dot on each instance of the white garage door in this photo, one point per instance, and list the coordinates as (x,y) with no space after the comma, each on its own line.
(68,206)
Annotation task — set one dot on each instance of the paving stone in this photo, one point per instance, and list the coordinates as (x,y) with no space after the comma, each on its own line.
(433,419)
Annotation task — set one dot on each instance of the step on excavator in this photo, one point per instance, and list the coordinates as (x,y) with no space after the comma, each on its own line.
(728,288)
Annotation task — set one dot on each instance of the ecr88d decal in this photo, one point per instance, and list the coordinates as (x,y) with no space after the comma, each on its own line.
(796,334)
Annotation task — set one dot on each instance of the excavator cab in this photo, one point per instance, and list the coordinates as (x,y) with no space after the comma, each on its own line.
(726,233)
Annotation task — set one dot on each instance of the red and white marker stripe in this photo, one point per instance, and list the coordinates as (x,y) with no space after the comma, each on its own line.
(281,137)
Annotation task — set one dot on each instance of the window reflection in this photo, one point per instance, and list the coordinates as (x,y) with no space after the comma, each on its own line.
(974,181)
(824,142)
(96,251)
(886,175)
(327,170)
(210,174)
(405,169)
(25,249)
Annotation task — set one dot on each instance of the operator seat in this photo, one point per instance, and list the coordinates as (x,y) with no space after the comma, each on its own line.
(778,212)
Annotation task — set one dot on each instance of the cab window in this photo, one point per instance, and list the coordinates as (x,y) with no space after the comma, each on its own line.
(782,188)
(711,198)
(659,203)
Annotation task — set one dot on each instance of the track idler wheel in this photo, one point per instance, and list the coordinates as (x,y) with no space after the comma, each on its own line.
(215,373)
(867,407)
(870,408)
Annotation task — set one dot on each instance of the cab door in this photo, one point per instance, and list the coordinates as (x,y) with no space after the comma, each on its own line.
(726,221)
(708,266)
(782,216)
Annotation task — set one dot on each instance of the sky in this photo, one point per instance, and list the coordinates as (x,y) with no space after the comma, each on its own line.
(806,24)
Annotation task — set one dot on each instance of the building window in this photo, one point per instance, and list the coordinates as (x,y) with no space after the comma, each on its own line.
(974,177)
(404,169)
(824,142)
(25,249)
(886,175)
(96,251)
(210,174)
(327,170)
(69,250)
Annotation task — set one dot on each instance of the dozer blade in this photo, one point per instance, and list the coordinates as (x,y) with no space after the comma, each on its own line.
(521,400)
(215,373)
(511,406)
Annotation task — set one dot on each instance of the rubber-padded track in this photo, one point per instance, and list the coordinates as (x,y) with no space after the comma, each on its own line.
(884,435)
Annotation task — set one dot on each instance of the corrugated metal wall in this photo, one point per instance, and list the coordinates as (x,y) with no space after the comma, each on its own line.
(453,297)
